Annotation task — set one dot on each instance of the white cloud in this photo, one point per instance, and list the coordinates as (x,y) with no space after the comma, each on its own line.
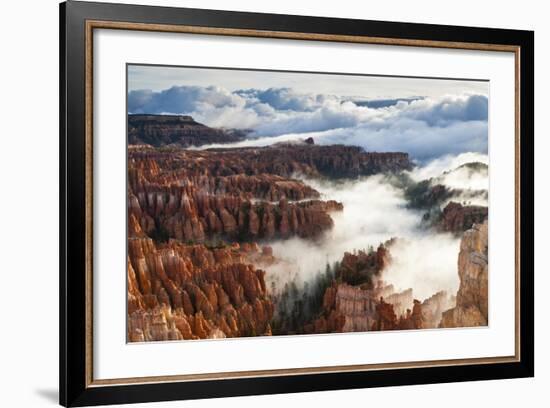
(449,162)
(421,141)
(425,128)
(374,212)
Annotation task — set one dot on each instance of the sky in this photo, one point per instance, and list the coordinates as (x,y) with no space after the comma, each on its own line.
(157,78)
(427,118)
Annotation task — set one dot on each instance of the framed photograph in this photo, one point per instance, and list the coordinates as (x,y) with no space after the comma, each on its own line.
(256,203)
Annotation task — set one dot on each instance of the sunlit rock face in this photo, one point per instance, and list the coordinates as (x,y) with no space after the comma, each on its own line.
(178,291)
(472,298)
(241,193)
(358,300)
(194,196)
(433,308)
(348,308)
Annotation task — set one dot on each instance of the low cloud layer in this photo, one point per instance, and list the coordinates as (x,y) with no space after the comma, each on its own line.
(447,163)
(376,211)
(424,127)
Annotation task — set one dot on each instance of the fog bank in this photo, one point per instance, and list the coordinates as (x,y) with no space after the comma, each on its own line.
(374,212)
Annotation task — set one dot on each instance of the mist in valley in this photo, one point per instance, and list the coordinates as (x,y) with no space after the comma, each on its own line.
(375,211)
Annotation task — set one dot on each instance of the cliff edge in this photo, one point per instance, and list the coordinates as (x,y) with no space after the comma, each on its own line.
(472,298)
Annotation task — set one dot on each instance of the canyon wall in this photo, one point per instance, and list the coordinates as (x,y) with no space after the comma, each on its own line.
(241,194)
(358,300)
(472,297)
(348,308)
(194,200)
(332,161)
(458,218)
(178,291)
(163,130)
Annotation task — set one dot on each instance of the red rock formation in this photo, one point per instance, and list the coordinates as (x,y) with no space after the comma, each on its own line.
(386,317)
(348,308)
(412,319)
(162,130)
(334,161)
(178,291)
(174,198)
(356,307)
(433,308)
(401,301)
(358,300)
(458,218)
(472,298)
(371,304)
(361,267)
